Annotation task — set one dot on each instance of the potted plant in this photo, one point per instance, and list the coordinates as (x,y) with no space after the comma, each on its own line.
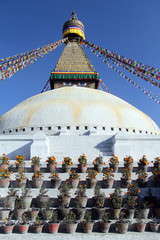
(130,204)
(78,210)
(114,163)
(64,195)
(144,208)
(47,211)
(116,203)
(87,223)
(99,197)
(37,179)
(105,223)
(26,197)
(156,176)
(133,190)
(35,163)
(156,162)
(122,223)
(4,161)
(108,178)
(81,196)
(11,197)
(126,177)
(21,178)
(82,166)
(4,212)
(23,224)
(66,165)
(55,180)
(70,222)
(5,177)
(51,164)
(154,225)
(91,179)
(53,224)
(8,225)
(20,161)
(19,208)
(143,163)
(74,178)
(32,213)
(140,224)
(38,225)
(142,178)
(43,198)
(98,164)
(128,162)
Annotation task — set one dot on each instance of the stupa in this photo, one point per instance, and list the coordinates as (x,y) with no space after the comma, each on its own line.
(74,117)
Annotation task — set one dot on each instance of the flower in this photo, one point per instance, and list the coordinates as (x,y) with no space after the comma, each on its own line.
(81,191)
(37,174)
(82,159)
(67,161)
(114,160)
(20,159)
(21,174)
(92,173)
(128,160)
(4,159)
(74,175)
(51,160)
(143,161)
(35,160)
(133,190)
(108,173)
(54,175)
(4,173)
(116,198)
(126,173)
(98,160)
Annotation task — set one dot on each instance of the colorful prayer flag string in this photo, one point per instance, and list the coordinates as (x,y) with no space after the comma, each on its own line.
(108,63)
(12,65)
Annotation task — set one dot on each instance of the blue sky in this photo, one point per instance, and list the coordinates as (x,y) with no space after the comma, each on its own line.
(130,28)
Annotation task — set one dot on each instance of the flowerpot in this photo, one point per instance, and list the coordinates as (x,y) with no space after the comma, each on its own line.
(143,167)
(108,183)
(98,167)
(140,227)
(47,214)
(51,167)
(18,213)
(21,183)
(4,213)
(145,213)
(91,182)
(122,227)
(65,200)
(87,226)
(11,200)
(55,183)
(70,228)
(66,168)
(98,213)
(73,182)
(38,228)
(142,182)
(27,201)
(8,229)
(4,182)
(82,201)
(37,182)
(23,229)
(115,213)
(97,200)
(63,212)
(80,212)
(114,167)
(130,213)
(33,214)
(36,167)
(20,166)
(157,212)
(53,227)
(42,201)
(3,166)
(125,182)
(82,168)
(153,226)
(104,226)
